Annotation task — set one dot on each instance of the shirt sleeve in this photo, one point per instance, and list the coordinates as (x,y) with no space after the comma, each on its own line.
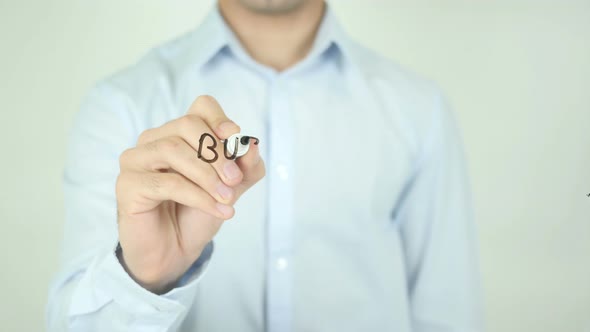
(437,227)
(92,291)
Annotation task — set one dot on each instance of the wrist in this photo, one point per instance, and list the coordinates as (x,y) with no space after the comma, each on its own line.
(153,280)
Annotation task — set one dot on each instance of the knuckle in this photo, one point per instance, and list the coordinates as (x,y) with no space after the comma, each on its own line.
(185,121)
(125,157)
(174,182)
(144,137)
(152,183)
(207,105)
(187,124)
(151,146)
(169,144)
(205,101)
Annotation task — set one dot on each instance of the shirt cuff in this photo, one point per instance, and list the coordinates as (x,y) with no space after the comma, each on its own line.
(107,281)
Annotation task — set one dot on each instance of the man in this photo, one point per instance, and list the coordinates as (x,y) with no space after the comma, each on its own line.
(362,222)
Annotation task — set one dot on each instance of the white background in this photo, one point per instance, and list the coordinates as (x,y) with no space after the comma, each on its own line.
(517,72)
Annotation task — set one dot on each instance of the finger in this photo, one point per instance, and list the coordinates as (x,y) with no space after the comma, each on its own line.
(175,153)
(211,112)
(192,128)
(142,191)
(253,168)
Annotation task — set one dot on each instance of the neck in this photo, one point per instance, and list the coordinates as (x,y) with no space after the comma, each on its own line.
(276,40)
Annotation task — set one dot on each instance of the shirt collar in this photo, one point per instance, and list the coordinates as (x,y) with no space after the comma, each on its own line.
(214,35)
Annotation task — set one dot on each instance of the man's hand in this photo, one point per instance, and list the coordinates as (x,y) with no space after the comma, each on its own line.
(171,203)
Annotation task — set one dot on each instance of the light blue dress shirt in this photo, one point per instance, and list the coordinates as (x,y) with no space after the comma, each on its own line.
(363,222)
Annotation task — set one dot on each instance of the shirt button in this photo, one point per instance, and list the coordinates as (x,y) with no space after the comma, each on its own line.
(282,171)
(282,264)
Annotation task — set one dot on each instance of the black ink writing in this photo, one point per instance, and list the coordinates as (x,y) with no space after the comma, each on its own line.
(244,140)
(210,147)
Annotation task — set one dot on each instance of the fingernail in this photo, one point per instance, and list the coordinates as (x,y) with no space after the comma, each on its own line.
(225,210)
(228,128)
(224,191)
(231,170)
